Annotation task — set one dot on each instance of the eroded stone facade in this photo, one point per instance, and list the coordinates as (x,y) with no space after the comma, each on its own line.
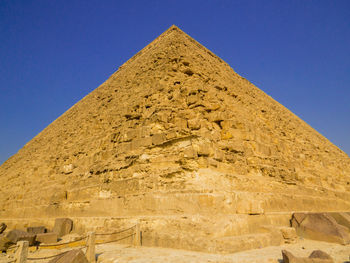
(175,132)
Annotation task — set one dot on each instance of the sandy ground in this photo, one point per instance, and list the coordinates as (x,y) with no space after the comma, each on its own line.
(116,253)
(110,253)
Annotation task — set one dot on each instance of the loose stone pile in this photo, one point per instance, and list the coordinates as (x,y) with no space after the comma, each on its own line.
(35,235)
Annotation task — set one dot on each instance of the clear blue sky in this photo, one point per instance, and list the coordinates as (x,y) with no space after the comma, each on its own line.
(52,53)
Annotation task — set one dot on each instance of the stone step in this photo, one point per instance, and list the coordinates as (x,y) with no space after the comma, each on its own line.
(160,203)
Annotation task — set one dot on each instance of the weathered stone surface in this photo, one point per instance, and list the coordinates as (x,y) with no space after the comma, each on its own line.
(320,254)
(72,256)
(3,227)
(316,256)
(36,230)
(63,226)
(289,234)
(320,226)
(46,238)
(18,235)
(341,218)
(176,132)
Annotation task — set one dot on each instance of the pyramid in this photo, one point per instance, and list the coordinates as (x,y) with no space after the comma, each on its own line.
(180,142)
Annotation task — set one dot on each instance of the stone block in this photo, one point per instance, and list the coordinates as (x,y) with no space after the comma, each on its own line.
(63,226)
(145,131)
(218,155)
(217,116)
(226,134)
(189,152)
(143,142)
(124,147)
(236,147)
(46,238)
(192,99)
(194,124)
(171,135)
(203,148)
(180,123)
(68,168)
(320,254)
(316,256)
(288,232)
(72,256)
(158,138)
(36,230)
(18,235)
(341,218)
(320,226)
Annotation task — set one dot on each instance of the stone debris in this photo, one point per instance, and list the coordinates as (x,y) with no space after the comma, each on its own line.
(46,238)
(36,230)
(289,234)
(320,226)
(316,256)
(72,256)
(320,254)
(63,226)
(18,235)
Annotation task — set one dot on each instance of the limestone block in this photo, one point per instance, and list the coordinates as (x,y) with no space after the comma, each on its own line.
(194,124)
(288,232)
(46,238)
(180,123)
(162,116)
(132,134)
(341,218)
(63,226)
(145,131)
(192,99)
(218,155)
(171,135)
(228,124)
(18,235)
(226,134)
(263,149)
(124,147)
(217,116)
(233,146)
(189,152)
(203,149)
(68,168)
(316,256)
(211,106)
(320,226)
(320,254)
(72,256)
(143,142)
(36,230)
(158,138)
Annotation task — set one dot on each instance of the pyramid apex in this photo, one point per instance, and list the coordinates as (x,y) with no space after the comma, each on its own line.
(173,28)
